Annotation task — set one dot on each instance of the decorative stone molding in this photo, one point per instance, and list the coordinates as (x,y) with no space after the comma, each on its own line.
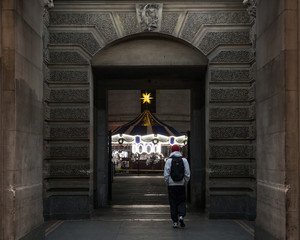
(231,94)
(149,16)
(253,37)
(236,151)
(251,7)
(68,76)
(129,23)
(232,113)
(169,22)
(218,75)
(61,57)
(66,132)
(213,39)
(69,170)
(78,150)
(243,56)
(253,72)
(67,95)
(236,132)
(196,19)
(67,114)
(84,39)
(65,18)
(104,24)
(102,21)
(231,170)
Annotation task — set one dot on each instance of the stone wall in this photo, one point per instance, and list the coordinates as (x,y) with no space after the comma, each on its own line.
(277,120)
(220,31)
(21,107)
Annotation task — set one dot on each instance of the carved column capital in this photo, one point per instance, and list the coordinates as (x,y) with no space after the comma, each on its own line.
(251,7)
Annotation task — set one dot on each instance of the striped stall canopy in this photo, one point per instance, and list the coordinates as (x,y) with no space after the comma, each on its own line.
(146,123)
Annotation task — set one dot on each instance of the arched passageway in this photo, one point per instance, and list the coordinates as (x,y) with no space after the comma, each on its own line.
(150,62)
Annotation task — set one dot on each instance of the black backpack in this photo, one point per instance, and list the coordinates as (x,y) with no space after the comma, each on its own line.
(177,169)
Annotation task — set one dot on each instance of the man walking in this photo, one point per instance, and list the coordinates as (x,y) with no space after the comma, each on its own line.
(177,174)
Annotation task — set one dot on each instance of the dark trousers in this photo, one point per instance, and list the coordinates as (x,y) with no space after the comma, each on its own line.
(177,200)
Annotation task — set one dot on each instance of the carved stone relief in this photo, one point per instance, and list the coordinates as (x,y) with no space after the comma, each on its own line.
(48,3)
(149,16)
(251,7)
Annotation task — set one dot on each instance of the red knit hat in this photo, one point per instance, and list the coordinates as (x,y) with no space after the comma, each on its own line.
(175,148)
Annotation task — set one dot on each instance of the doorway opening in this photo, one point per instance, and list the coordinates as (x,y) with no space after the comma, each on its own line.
(113,76)
(138,160)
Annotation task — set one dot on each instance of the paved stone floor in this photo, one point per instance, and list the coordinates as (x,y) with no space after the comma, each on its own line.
(140,210)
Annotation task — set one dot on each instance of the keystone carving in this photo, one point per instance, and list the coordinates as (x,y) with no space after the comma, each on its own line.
(149,16)
(251,7)
(48,3)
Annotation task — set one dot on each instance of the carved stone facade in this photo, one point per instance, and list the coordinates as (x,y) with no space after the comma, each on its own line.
(149,16)
(215,39)
(224,34)
(251,7)
(169,22)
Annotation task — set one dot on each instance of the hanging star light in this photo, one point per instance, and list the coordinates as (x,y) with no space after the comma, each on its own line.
(146,98)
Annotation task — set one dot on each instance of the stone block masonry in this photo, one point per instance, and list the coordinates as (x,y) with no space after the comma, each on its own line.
(21,131)
(221,32)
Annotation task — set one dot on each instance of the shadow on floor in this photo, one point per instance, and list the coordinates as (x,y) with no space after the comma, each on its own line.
(139,210)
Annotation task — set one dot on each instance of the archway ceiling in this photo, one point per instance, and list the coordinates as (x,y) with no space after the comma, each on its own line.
(149,52)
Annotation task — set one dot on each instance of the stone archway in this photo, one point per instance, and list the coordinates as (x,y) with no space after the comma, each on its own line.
(218,27)
(151,61)
(220,31)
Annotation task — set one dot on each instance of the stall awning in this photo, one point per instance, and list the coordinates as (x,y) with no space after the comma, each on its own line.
(146,123)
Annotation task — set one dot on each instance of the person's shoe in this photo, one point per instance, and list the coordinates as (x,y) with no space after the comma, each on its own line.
(175,224)
(182,224)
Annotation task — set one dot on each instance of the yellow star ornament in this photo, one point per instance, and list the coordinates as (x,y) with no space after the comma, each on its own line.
(146,97)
